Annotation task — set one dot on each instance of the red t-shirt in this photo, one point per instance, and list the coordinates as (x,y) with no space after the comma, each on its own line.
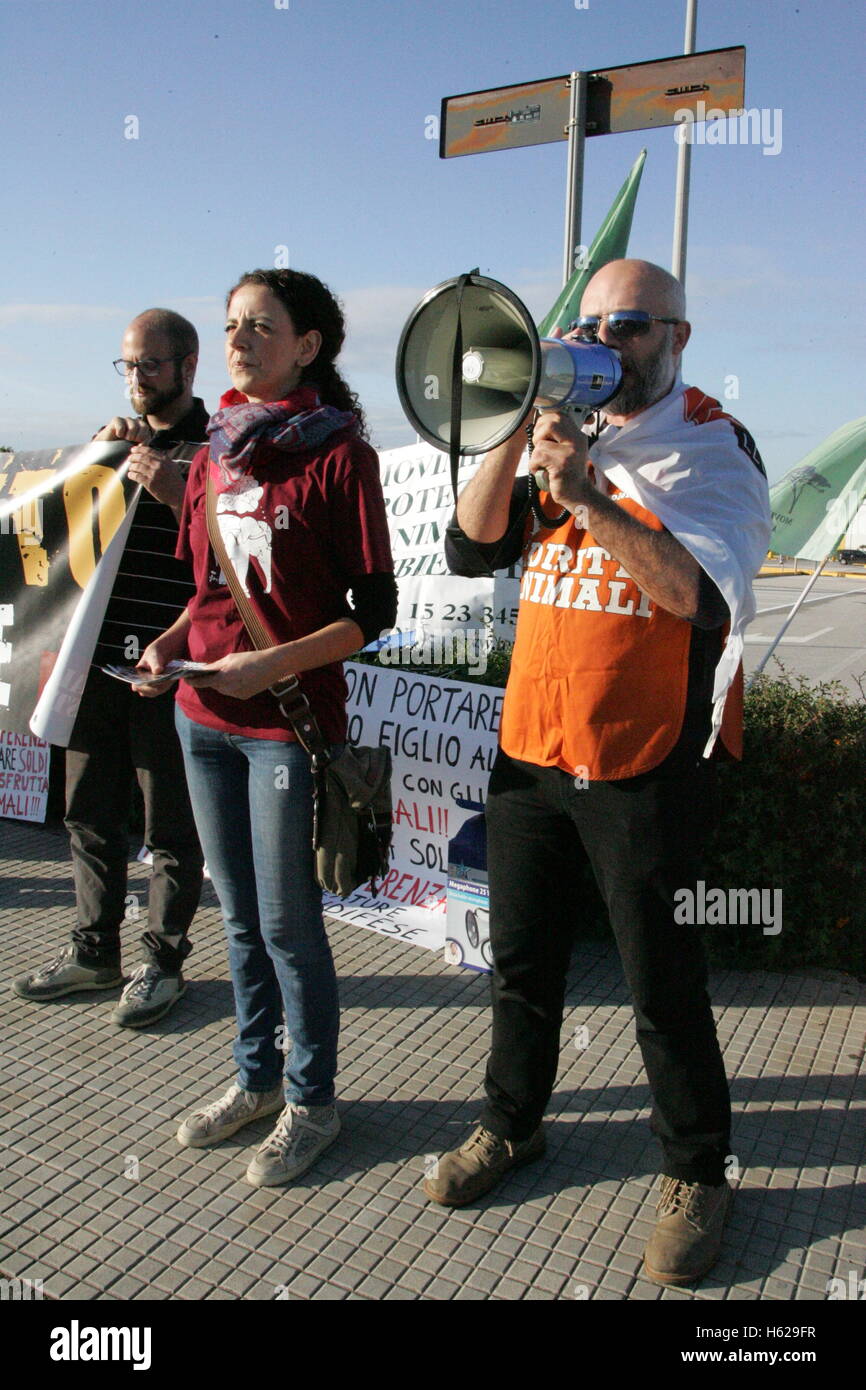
(298,528)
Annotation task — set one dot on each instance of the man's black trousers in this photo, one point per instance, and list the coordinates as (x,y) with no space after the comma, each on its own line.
(643,838)
(116,732)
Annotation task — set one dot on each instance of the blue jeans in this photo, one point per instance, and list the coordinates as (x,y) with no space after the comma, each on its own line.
(252,800)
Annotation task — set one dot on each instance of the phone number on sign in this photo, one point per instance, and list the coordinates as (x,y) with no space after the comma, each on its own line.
(461,613)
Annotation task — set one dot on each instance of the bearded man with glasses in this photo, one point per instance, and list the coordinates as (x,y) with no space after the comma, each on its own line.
(625,685)
(116,732)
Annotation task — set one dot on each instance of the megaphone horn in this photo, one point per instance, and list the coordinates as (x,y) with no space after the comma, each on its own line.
(470,367)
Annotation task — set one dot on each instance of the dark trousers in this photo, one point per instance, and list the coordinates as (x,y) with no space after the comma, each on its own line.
(642,837)
(116,732)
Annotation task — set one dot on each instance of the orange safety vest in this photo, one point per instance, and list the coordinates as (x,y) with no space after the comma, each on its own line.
(599,673)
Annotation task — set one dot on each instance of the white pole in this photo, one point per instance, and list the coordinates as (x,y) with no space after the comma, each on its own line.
(574,184)
(790,618)
(684,163)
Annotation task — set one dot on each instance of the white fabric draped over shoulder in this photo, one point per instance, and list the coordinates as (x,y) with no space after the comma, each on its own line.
(695,468)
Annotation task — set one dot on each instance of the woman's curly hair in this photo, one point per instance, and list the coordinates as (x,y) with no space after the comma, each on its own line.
(310,304)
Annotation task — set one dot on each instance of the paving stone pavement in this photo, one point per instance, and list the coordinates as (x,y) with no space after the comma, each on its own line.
(99,1201)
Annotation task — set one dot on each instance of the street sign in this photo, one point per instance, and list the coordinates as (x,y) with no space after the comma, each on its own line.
(642,95)
(533,113)
(633,97)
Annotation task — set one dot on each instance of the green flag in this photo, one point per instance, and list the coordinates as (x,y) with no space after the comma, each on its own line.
(816,502)
(611,242)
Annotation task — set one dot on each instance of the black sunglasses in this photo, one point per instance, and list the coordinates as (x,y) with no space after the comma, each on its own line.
(621,323)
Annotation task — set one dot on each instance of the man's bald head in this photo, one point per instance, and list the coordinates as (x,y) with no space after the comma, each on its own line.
(179,334)
(164,395)
(632,284)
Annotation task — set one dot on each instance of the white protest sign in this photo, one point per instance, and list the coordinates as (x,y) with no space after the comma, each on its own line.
(24,763)
(416,481)
(442,735)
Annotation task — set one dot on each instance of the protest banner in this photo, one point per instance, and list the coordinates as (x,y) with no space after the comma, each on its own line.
(442,735)
(60,511)
(24,764)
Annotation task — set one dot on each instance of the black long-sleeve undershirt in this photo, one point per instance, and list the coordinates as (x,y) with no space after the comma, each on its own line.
(374,603)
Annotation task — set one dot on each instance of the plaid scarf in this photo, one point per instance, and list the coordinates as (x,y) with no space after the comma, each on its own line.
(239,426)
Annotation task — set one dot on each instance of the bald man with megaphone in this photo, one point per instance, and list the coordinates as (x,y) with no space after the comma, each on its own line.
(625,688)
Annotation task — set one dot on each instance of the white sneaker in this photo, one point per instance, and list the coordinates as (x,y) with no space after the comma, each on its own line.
(302,1132)
(227,1115)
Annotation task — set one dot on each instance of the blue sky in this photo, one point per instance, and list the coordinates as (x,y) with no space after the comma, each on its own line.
(304,126)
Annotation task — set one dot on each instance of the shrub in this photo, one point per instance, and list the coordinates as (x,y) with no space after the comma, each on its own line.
(791,816)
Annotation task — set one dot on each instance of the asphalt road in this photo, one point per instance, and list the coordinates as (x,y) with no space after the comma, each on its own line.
(827,639)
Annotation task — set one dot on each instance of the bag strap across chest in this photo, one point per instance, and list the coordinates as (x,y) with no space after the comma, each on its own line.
(292,701)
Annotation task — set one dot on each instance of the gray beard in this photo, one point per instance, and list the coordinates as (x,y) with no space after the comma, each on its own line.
(644,389)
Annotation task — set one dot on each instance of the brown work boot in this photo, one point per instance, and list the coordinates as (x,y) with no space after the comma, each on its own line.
(460,1177)
(688,1234)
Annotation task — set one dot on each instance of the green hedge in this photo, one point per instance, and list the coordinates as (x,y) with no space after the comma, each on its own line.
(791,816)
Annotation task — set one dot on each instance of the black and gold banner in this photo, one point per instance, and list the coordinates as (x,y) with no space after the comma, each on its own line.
(59,509)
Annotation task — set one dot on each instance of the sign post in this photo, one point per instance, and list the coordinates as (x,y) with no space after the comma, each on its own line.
(684,164)
(579,83)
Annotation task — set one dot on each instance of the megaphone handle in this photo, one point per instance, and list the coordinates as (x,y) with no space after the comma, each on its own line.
(550,523)
(457,382)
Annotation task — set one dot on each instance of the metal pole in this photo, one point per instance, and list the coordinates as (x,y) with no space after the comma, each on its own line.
(574,186)
(684,164)
(790,618)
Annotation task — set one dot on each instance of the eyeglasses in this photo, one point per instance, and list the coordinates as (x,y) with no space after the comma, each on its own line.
(622,324)
(149,366)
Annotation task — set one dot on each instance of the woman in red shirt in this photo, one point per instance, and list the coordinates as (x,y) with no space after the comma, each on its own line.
(301,515)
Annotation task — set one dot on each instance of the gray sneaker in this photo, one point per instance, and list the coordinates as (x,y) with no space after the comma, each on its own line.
(302,1132)
(64,975)
(149,994)
(227,1115)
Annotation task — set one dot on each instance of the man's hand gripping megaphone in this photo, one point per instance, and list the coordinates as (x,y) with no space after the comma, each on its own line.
(559,452)
(560,457)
